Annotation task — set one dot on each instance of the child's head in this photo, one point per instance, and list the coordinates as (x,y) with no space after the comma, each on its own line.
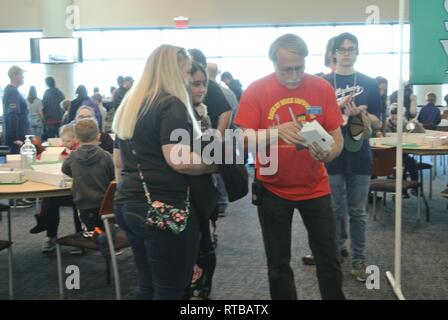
(65,104)
(86,131)
(67,134)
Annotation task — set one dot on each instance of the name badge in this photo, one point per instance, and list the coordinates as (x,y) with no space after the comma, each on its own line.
(314,110)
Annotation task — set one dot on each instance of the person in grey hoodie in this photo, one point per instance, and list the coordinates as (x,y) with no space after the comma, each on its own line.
(92,170)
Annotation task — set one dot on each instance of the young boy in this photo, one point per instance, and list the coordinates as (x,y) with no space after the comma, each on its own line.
(48,218)
(92,170)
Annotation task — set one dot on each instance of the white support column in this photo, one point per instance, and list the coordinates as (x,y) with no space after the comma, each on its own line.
(54,25)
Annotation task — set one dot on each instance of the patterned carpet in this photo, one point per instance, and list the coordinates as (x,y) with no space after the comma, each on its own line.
(241,267)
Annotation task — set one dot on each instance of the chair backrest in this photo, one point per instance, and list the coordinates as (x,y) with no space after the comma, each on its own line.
(384,162)
(107,205)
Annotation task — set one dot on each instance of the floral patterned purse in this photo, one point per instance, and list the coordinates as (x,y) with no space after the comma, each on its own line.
(161,215)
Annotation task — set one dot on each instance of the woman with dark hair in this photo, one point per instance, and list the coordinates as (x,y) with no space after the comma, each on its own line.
(83,99)
(203,194)
(35,114)
(382,85)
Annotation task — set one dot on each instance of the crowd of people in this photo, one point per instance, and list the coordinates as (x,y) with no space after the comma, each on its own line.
(178,90)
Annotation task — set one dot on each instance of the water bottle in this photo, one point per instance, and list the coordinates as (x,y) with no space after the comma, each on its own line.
(27,153)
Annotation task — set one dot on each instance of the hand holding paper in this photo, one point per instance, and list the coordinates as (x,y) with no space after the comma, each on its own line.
(317,153)
(288,132)
(313,133)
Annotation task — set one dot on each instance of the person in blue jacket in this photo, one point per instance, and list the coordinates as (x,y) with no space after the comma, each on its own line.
(15,119)
(15,112)
(430,115)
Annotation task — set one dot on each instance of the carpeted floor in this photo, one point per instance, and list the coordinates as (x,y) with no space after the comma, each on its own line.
(241,267)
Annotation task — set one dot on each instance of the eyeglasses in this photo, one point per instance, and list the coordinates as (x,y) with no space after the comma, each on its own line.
(289,70)
(83,117)
(349,51)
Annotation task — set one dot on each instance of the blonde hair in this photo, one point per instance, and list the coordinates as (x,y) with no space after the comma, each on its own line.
(67,129)
(162,73)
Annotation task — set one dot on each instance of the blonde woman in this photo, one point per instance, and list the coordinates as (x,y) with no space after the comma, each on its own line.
(157,105)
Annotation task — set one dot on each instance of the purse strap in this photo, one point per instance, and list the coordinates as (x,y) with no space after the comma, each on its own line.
(140,173)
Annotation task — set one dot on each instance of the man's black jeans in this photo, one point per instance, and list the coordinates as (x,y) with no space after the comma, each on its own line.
(275,215)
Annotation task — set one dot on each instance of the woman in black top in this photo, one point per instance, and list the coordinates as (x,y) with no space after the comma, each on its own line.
(150,120)
(204,195)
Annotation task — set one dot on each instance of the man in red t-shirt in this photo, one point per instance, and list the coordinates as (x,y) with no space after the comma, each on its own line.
(301,181)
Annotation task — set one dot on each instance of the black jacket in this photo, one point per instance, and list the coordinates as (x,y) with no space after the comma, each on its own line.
(52,110)
(203,195)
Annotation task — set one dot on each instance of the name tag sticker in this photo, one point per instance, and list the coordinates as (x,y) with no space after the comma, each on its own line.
(314,110)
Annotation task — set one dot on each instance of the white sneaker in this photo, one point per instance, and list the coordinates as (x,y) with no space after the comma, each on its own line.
(49,245)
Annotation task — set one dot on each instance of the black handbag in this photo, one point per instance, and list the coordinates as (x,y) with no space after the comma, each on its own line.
(235,176)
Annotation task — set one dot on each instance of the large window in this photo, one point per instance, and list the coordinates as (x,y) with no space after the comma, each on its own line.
(15,49)
(242,51)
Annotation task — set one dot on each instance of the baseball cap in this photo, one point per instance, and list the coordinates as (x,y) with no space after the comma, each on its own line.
(358,129)
(15,70)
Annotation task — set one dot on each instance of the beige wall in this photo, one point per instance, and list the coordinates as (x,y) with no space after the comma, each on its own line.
(26,14)
(20,14)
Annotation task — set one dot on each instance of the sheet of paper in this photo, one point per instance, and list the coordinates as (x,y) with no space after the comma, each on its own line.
(54,150)
(48,168)
(313,132)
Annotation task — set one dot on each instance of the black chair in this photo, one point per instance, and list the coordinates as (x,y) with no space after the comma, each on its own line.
(4,208)
(116,242)
(384,162)
(7,244)
(4,150)
(425,166)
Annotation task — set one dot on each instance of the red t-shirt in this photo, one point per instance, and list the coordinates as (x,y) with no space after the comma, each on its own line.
(266,101)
